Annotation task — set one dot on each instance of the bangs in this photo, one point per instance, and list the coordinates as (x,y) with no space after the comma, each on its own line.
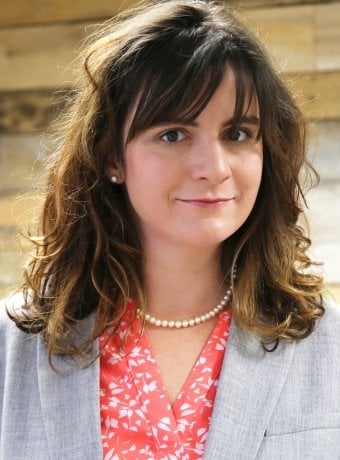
(177,78)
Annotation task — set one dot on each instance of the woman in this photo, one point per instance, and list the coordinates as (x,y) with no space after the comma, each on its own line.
(169,312)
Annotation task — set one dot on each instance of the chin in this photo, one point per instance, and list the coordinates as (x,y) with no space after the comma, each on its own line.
(215,233)
(205,240)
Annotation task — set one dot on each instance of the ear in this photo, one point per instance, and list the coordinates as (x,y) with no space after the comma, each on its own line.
(115,174)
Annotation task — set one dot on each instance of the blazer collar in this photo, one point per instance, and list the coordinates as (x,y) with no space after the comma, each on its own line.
(250,383)
(70,404)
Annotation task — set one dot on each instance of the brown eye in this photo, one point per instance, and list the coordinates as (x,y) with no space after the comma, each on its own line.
(173,135)
(238,135)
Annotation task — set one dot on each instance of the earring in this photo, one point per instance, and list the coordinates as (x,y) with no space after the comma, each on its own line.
(114,179)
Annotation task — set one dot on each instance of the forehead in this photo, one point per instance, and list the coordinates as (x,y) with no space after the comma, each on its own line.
(224,99)
(231,89)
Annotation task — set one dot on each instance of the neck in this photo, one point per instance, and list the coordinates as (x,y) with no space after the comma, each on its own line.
(182,283)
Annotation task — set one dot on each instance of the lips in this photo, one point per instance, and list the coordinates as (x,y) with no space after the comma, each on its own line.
(206,202)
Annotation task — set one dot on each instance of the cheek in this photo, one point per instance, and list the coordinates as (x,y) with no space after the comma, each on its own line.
(145,167)
(136,168)
(146,175)
(257,172)
(249,173)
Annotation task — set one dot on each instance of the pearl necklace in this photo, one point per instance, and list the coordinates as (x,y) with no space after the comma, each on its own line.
(188,322)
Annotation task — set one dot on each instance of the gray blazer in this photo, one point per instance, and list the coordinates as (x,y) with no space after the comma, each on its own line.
(279,405)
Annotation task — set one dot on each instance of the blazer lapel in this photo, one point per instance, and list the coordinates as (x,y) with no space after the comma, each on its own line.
(250,383)
(70,405)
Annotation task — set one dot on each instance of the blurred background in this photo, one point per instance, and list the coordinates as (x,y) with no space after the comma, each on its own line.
(40,38)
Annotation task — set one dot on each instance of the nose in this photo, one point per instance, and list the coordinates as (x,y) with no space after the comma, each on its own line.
(210,161)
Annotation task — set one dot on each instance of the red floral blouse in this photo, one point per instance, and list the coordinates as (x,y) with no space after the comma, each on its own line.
(137,419)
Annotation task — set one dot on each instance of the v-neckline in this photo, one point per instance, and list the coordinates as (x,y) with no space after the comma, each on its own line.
(138,398)
(191,378)
(180,407)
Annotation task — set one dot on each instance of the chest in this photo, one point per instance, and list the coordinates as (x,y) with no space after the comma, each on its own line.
(162,388)
(176,351)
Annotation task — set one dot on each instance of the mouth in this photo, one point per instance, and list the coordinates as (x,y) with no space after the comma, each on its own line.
(206,202)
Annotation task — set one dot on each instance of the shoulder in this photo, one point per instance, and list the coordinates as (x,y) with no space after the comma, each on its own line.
(327,328)
(10,335)
(326,333)
(18,350)
(10,305)
(318,355)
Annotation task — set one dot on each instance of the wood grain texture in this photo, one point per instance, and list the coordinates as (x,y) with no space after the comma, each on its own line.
(29,111)
(289,35)
(264,3)
(19,211)
(302,38)
(33,111)
(23,12)
(317,93)
(327,37)
(38,57)
(22,160)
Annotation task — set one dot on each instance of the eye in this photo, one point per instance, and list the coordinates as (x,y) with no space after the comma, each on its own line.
(173,135)
(239,135)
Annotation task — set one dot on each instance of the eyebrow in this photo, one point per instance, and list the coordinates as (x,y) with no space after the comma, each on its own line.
(247,119)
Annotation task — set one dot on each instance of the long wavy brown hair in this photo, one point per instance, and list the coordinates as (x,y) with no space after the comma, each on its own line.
(165,61)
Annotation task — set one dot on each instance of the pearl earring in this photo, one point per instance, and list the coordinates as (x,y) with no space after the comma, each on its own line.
(114,179)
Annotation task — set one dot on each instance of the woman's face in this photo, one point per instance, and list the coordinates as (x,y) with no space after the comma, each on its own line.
(196,184)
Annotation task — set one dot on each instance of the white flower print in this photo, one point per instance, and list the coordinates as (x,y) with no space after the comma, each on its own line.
(137,419)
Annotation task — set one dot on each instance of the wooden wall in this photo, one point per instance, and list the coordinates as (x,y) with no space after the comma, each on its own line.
(39,39)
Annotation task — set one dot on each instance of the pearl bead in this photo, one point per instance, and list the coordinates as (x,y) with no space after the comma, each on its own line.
(192,321)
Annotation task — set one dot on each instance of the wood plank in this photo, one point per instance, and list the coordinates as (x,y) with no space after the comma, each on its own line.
(23,12)
(318,94)
(255,4)
(298,36)
(301,38)
(262,3)
(289,35)
(38,57)
(27,111)
(327,37)
(32,111)
(21,161)
(19,210)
